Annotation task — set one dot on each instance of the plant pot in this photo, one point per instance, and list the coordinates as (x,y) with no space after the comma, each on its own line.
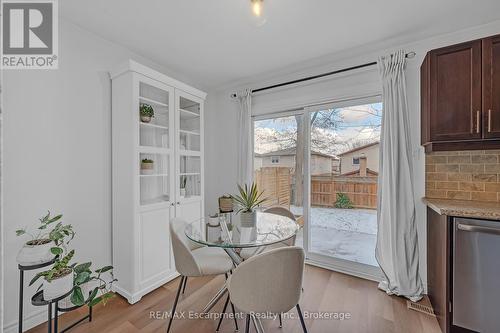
(248,219)
(58,286)
(147,168)
(35,254)
(145,119)
(183,192)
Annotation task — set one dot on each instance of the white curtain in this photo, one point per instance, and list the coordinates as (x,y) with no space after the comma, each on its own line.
(397,242)
(245,168)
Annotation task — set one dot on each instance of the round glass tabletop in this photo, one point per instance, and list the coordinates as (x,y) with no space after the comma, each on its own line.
(227,230)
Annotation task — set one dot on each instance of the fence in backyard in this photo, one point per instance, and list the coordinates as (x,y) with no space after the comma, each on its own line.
(362,191)
(277,186)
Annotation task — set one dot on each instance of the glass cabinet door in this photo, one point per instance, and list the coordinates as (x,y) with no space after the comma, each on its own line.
(155,142)
(189,142)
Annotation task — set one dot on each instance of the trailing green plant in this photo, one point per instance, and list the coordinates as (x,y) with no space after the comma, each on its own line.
(146,110)
(82,274)
(249,198)
(343,201)
(183,181)
(60,234)
(147,160)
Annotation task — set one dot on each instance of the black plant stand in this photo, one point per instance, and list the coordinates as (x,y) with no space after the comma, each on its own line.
(37,300)
(23,268)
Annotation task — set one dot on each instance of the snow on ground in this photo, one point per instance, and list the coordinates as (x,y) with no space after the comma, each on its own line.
(349,234)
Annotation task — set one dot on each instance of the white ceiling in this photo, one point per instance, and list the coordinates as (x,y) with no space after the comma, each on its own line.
(216,42)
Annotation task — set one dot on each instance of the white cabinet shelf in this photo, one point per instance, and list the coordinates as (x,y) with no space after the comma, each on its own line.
(149,169)
(151,101)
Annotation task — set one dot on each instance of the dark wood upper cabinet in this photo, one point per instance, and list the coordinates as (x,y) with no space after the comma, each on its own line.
(491,87)
(460,96)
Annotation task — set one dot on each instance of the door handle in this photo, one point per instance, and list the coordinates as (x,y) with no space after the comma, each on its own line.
(489,120)
(478,115)
(475,228)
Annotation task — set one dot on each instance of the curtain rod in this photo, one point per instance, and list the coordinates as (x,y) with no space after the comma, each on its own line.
(409,55)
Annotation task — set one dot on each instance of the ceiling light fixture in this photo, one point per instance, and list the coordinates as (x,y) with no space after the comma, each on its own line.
(258,12)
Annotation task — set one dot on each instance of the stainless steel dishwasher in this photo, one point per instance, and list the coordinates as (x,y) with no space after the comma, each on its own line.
(476,275)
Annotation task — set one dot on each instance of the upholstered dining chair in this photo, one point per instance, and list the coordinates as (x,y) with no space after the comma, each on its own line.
(193,260)
(270,282)
(278,210)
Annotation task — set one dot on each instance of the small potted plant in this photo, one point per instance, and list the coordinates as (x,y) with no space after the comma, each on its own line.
(146,112)
(147,166)
(248,199)
(39,249)
(63,278)
(183,186)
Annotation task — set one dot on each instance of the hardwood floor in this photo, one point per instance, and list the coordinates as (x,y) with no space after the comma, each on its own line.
(370,309)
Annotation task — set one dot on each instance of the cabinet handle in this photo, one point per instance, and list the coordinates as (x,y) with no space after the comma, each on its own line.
(478,114)
(489,120)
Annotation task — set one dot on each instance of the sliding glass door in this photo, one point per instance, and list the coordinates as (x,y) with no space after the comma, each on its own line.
(321,162)
(343,162)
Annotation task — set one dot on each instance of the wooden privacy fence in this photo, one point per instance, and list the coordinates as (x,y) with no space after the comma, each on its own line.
(276,184)
(362,191)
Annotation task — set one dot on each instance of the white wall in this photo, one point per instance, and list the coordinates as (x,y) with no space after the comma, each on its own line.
(365,82)
(57,152)
(371,153)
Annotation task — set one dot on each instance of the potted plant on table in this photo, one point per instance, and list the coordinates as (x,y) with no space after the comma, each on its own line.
(146,112)
(41,247)
(147,166)
(248,199)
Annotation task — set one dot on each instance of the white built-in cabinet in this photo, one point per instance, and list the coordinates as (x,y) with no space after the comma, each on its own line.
(145,199)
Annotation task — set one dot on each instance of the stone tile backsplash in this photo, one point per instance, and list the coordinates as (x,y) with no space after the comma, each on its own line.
(466,175)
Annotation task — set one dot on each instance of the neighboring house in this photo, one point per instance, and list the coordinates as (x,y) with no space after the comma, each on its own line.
(321,164)
(366,156)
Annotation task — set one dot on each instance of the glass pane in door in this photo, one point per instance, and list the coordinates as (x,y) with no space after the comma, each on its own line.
(154,116)
(343,171)
(279,163)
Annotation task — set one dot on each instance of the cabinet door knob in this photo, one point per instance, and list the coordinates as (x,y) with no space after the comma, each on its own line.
(489,120)
(178,202)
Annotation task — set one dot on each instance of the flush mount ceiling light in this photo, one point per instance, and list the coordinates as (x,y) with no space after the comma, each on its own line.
(258,13)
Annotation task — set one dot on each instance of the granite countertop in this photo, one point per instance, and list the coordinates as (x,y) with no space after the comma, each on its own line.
(465,208)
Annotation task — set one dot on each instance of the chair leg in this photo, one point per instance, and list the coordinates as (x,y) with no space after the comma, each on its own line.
(185,284)
(234,317)
(222,314)
(301,319)
(281,320)
(172,314)
(247,324)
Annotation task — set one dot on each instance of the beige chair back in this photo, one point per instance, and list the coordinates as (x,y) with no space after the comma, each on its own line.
(185,263)
(278,210)
(268,282)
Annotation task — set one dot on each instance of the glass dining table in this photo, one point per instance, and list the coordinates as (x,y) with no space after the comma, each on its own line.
(230,233)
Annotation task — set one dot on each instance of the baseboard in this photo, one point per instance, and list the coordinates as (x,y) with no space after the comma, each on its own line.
(133,298)
(29,321)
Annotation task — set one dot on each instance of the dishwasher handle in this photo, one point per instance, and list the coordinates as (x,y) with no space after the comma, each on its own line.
(475,228)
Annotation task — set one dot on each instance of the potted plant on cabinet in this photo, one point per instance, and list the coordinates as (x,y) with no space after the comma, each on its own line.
(40,248)
(147,166)
(146,112)
(183,186)
(248,199)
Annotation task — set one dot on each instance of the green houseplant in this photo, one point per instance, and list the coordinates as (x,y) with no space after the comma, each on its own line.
(183,186)
(146,112)
(64,277)
(248,199)
(46,241)
(147,166)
